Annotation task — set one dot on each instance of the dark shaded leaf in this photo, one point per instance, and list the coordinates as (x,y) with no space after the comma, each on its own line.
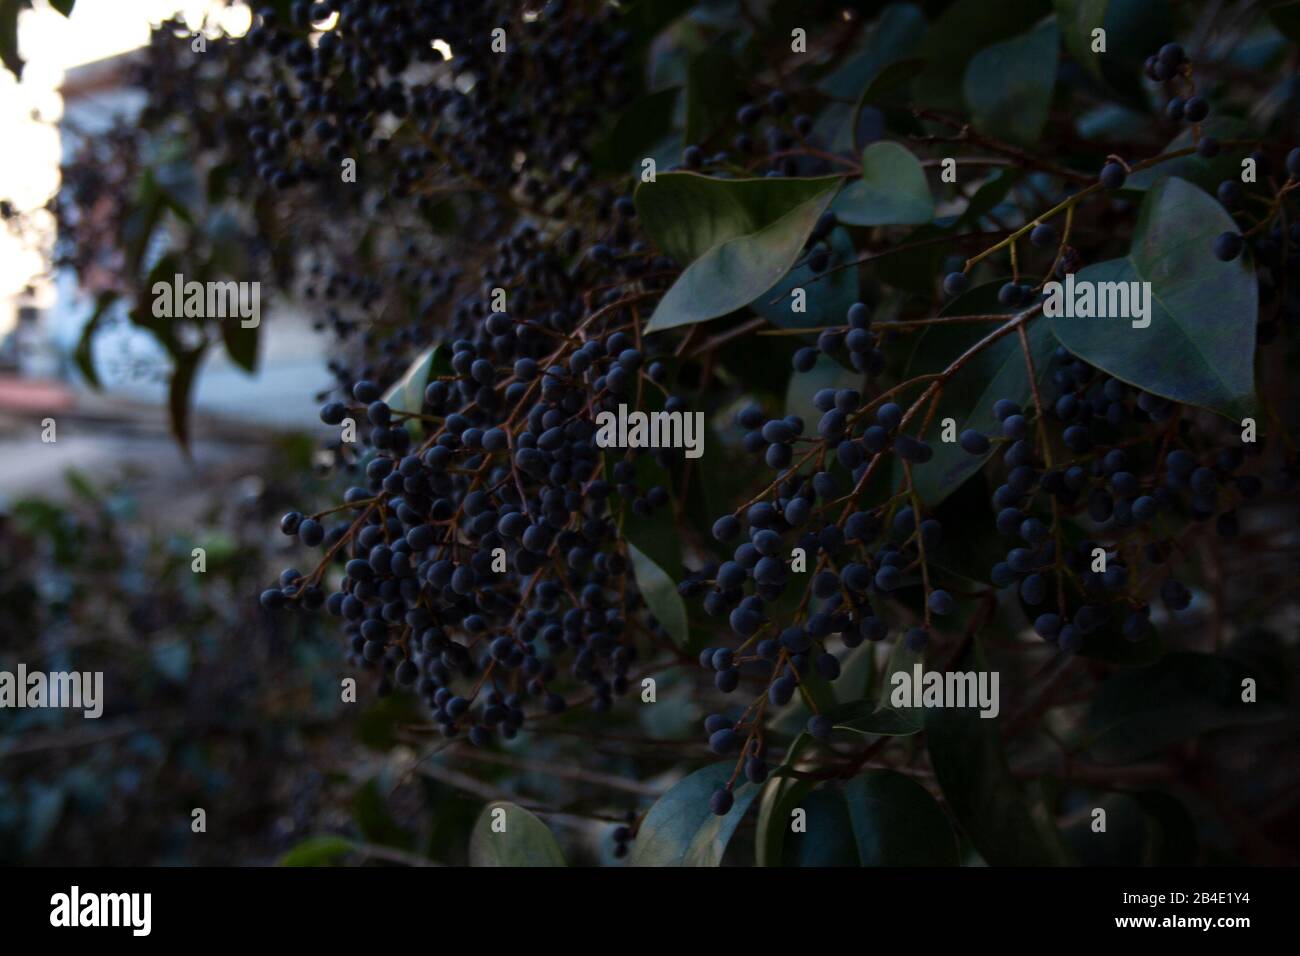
(884,61)
(1008,85)
(1286,17)
(828,838)
(640,127)
(1142,829)
(85,354)
(781,794)
(660,593)
(1077,19)
(241,342)
(185,367)
(1134,29)
(371,813)
(712,90)
(1140,712)
(9,55)
(882,717)
(1200,345)
(976,780)
(964,28)
(1206,173)
(998,371)
(896,822)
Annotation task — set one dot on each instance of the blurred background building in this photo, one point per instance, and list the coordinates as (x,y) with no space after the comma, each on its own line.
(74,86)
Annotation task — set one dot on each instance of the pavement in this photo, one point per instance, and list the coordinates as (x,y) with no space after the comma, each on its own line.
(105,436)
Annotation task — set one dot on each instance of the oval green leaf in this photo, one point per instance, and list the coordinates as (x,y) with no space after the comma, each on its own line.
(826,299)
(897,823)
(973,773)
(892,191)
(884,717)
(660,593)
(739,236)
(407,393)
(317,851)
(1078,18)
(682,830)
(518,839)
(1199,347)
(1008,85)
(781,794)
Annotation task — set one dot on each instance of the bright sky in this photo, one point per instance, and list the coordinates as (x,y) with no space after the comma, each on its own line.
(51,44)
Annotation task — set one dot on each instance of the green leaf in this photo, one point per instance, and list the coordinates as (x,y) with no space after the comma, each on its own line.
(827,299)
(682,830)
(857,675)
(828,839)
(646,19)
(407,393)
(660,593)
(1133,29)
(891,78)
(894,36)
(185,367)
(241,342)
(1008,85)
(525,841)
(988,197)
(976,780)
(1142,829)
(9,54)
(998,371)
(884,61)
(653,536)
(740,237)
(961,30)
(79,483)
(892,191)
(1077,19)
(1140,712)
(85,354)
(640,127)
(1286,17)
(781,794)
(376,823)
(1200,346)
(712,78)
(317,851)
(1110,645)
(897,823)
(1206,173)
(882,717)
(64,6)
